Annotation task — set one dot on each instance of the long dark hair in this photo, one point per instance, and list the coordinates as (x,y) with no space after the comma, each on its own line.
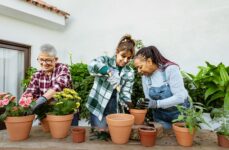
(126,43)
(153,53)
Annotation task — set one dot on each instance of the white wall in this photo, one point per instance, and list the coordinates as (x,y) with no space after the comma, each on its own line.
(188,32)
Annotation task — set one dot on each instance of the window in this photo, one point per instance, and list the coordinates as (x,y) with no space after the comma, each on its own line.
(14,61)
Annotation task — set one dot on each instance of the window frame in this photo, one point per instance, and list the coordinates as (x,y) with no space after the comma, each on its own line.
(19,47)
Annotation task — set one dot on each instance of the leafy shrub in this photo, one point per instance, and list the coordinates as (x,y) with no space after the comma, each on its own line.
(28,76)
(82,83)
(191,116)
(210,86)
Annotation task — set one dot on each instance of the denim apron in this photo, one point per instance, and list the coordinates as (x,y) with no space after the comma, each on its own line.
(164,116)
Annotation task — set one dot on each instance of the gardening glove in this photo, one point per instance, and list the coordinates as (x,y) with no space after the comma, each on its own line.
(39,102)
(114,78)
(146,103)
(130,105)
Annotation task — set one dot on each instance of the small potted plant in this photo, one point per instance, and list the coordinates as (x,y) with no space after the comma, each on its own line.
(222,116)
(66,103)
(18,116)
(138,112)
(188,122)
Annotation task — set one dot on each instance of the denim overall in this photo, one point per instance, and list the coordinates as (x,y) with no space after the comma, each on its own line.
(160,115)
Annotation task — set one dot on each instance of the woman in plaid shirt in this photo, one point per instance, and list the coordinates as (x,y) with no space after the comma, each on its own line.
(113,83)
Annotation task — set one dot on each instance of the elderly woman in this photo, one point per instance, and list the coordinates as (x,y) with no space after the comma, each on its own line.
(51,78)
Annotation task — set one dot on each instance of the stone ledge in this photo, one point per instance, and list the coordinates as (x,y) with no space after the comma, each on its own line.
(40,140)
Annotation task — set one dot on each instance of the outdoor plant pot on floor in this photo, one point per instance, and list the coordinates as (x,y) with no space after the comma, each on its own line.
(223,141)
(139,115)
(119,126)
(18,128)
(45,125)
(183,136)
(78,134)
(59,125)
(148,136)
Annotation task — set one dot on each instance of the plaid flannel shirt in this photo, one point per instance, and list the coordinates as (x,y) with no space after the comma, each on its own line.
(41,83)
(102,90)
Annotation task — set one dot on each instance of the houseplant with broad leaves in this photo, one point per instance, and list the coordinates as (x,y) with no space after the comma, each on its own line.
(210,86)
(17,115)
(66,103)
(188,122)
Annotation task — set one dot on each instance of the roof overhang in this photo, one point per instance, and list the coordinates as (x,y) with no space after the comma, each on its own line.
(21,10)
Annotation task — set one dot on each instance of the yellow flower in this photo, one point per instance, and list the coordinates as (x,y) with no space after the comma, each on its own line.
(77,104)
(59,103)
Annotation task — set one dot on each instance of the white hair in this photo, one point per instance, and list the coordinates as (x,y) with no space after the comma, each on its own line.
(49,49)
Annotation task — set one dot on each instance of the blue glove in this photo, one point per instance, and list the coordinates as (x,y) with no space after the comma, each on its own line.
(114,78)
(146,103)
(39,102)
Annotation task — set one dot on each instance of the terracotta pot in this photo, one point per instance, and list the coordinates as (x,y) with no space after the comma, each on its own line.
(183,136)
(223,141)
(59,125)
(139,115)
(78,134)
(45,125)
(19,128)
(119,126)
(148,136)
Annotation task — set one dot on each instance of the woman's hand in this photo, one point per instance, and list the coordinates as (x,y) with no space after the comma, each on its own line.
(146,103)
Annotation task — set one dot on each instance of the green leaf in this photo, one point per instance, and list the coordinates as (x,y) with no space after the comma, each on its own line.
(223,74)
(210,91)
(216,96)
(226,101)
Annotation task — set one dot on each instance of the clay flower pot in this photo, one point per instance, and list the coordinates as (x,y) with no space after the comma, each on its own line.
(223,141)
(19,127)
(139,115)
(148,136)
(119,126)
(78,134)
(59,125)
(45,125)
(183,136)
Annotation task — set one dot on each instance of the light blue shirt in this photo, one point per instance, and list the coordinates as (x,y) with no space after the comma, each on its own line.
(175,81)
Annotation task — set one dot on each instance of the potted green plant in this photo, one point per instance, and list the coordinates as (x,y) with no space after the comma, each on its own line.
(17,115)
(222,116)
(211,88)
(66,103)
(188,122)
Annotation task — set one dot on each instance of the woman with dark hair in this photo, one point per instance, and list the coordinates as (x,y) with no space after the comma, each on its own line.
(162,84)
(113,83)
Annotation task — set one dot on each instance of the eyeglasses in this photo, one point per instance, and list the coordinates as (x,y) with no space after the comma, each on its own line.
(47,61)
